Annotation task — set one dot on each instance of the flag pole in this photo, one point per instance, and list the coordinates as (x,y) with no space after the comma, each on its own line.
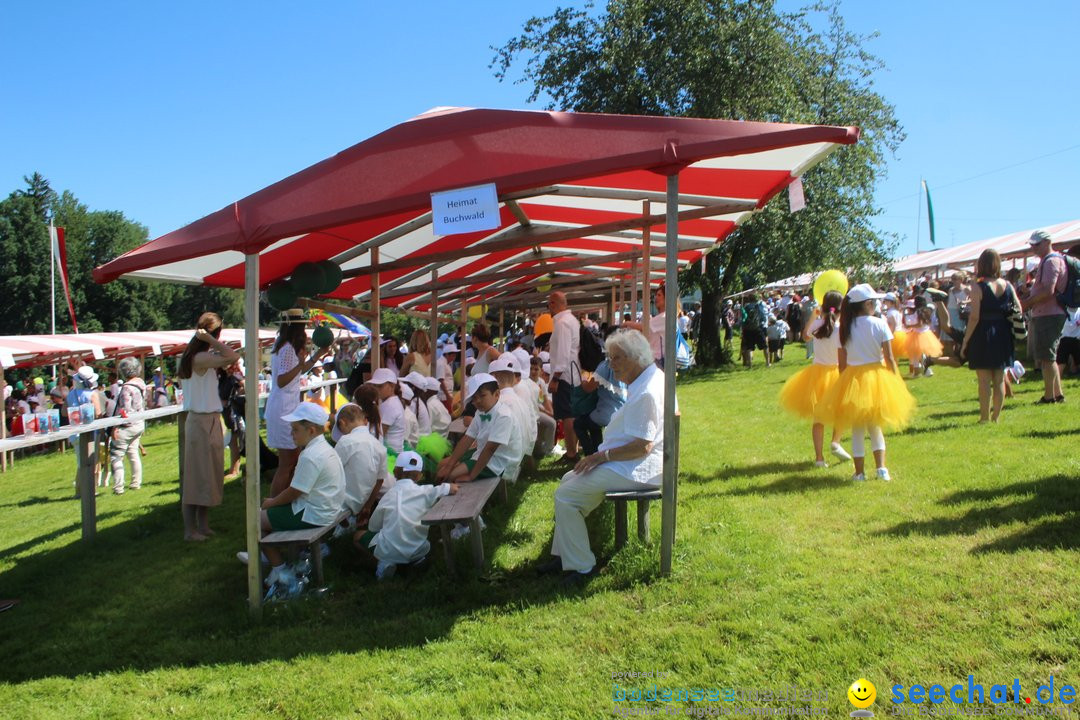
(52,274)
(918,218)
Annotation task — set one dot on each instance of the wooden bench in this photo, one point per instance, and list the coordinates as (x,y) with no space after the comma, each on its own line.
(462,507)
(309,538)
(621,498)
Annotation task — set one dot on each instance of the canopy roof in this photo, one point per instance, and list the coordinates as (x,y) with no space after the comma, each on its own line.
(571,187)
(37,350)
(1011,245)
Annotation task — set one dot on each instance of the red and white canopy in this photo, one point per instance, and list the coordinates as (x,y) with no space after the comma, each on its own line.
(568,183)
(1011,245)
(37,350)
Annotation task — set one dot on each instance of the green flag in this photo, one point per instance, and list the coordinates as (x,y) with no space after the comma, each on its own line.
(929,212)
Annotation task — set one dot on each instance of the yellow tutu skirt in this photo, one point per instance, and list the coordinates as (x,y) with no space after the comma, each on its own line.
(922,343)
(803,391)
(899,344)
(867,395)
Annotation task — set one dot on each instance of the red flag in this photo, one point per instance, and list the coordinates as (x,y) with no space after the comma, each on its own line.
(60,253)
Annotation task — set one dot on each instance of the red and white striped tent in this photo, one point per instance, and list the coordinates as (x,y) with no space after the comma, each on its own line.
(557,174)
(1012,245)
(580,194)
(38,350)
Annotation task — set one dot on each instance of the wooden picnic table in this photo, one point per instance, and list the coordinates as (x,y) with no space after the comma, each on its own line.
(463,506)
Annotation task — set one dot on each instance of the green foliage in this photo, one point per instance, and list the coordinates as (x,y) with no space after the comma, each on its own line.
(734,59)
(93,237)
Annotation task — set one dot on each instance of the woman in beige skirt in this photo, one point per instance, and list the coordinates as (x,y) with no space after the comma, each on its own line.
(204,446)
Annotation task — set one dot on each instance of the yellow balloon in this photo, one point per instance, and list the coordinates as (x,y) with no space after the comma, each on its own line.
(829,280)
(476,311)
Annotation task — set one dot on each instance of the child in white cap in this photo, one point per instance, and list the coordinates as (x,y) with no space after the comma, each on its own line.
(440,416)
(394,535)
(391,408)
(316,493)
(494,430)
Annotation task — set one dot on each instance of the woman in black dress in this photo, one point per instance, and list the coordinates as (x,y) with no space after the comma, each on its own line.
(988,341)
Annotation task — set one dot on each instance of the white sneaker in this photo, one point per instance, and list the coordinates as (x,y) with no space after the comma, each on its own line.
(820,464)
(928,372)
(385,570)
(839,451)
(280,574)
(883,474)
(242,556)
(858,477)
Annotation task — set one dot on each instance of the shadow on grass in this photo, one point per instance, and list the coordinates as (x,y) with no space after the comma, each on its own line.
(1039,505)
(973,413)
(140,598)
(40,500)
(793,484)
(743,471)
(1051,434)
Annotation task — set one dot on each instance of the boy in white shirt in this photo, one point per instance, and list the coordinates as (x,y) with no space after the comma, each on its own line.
(494,430)
(505,370)
(316,494)
(363,457)
(440,416)
(394,535)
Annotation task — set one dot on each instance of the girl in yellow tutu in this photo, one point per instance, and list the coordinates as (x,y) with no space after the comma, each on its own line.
(890,310)
(869,394)
(921,341)
(803,392)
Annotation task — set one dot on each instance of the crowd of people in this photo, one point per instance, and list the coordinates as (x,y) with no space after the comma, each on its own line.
(856,340)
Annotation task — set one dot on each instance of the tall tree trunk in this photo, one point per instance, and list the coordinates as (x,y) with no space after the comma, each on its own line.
(710,343)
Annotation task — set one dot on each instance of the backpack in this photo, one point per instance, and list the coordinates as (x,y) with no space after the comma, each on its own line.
(1070,296)
(753,317)
(590,349)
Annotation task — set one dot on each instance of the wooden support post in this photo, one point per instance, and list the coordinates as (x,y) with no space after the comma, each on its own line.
(3,420)
(461,339)
(88,456)
(433,331)
(634,285)
(252,470)
(646,255)
(375,351)
(502,328)
(667,526)
(181,437)
(612,321)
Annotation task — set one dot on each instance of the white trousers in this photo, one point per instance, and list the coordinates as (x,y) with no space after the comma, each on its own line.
(858,445)
(126,442)
(577,496)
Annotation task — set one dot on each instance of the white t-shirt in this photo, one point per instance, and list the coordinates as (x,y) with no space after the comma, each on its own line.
(863,347)
(399,535)
(642,417)
(321,478)
(363,458)
(412,427)
(565,341)
(392,414)
(894,318)
(440,416)
(529,411)
(656,335)
(684,324)
(825,349)
(498,425)
(1072,324)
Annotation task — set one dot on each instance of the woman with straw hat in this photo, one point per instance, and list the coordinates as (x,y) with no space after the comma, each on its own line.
(288,363)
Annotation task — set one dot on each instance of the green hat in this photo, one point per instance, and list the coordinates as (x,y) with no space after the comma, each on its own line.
(20,385)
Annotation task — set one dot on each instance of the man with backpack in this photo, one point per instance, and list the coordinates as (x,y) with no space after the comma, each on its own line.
(565,368)
(754,323)
(1046,302)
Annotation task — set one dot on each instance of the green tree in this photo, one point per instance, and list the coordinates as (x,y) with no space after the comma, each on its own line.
(736,59)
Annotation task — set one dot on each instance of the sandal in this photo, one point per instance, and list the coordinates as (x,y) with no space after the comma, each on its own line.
(1059,398)
(1045,401)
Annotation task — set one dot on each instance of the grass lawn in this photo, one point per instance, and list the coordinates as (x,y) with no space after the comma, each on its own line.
(785,575)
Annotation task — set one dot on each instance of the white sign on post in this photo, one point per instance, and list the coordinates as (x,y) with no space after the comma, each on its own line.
(465,210)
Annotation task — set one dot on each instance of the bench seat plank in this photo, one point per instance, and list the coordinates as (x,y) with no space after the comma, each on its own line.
(464,505)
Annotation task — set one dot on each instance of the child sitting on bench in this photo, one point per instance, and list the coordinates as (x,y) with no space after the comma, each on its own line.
(394,535)
(316,494)
(495,431)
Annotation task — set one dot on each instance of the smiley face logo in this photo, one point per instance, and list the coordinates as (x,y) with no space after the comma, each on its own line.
(862,693)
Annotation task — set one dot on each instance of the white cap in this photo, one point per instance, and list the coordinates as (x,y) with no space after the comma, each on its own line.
(469,361)
(335,433)
(450,347)
(863,292)
(523,359)
(383,375)
(406,392)
(504,363)
(432,384)
(308,411)
(546,368)
(545,355)
(409,461)
(475,381)
(415,379)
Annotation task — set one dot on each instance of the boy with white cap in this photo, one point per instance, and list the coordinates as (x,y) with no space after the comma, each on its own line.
(316,493)
(496,433)
(513,381)
(394,535)
(440,416)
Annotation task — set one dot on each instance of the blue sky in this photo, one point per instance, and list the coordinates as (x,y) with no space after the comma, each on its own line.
(170,111)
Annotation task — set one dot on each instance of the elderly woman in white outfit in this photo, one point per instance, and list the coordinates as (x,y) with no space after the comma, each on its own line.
(629,458)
